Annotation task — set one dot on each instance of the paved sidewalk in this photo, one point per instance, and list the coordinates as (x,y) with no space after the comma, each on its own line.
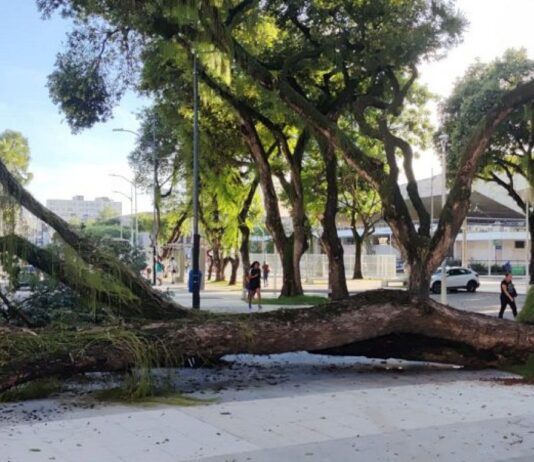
(294,408)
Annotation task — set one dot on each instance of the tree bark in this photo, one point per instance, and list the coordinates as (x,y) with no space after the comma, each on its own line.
(283,244)
(419,280)
(331,243)
(531,263)
(234,265)
(358,243)
(244,246)
(218,263)
(151,302)
(176,232)
(380,324)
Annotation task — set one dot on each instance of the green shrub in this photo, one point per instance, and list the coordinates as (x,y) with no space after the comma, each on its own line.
(526,315)
(480,268)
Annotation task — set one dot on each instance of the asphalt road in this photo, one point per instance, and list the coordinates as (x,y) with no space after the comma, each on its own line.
(480,302)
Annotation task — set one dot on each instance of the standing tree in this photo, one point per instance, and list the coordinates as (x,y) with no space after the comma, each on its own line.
(509,154)
(361,206)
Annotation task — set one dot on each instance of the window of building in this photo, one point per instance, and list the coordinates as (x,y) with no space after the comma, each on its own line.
(519,244)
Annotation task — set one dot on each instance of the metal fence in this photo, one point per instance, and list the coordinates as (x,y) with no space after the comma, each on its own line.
(315,266)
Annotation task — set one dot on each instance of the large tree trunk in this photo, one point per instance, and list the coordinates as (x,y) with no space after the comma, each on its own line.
(358,243)
(176,233)
(244,250)
(419,280)
(218,262)
(151,302)
(244,246)
(282,243)
(378,324)
(331,243)
(234,266)
(531,263)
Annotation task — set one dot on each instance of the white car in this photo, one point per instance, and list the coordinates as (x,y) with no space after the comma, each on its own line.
(457,278)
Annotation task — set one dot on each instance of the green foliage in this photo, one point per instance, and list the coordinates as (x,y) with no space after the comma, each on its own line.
(15,154)
(525,370)
(53,303)
(526,314)
(510,150)
(106,213)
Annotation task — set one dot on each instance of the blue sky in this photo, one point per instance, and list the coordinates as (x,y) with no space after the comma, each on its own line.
(65,164)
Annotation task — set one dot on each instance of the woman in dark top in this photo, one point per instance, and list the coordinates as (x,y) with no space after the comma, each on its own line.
(508,294)
(254,284)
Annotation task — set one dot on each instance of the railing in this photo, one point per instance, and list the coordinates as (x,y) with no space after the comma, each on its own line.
(315,266)
(498,267)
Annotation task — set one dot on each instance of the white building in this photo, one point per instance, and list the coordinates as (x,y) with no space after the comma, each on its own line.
(84,210)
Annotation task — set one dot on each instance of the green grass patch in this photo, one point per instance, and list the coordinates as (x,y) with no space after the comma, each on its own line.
(308,300)
(38,389)
(142,388)
(524,370)
(123,395)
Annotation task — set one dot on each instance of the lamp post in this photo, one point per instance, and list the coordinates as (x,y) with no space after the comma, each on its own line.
(195,275)
(130,198)
(444,139)
(133,186)
(154,228)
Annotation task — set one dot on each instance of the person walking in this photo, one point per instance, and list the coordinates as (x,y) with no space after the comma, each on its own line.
(508,295)
(265,270)
(254,284)
(159,271)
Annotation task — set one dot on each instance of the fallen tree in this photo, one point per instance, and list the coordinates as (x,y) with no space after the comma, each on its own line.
(379,324)
(151,304)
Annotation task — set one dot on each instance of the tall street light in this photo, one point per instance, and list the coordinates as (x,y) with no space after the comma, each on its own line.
(130,198)
(444,140)
(195,274)
(133,187)
(154,227)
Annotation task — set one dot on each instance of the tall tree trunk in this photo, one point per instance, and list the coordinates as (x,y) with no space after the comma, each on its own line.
(244,250)
(381,324)
(531,263)
(218,262)
(152,304)
(176,232)
(234,265)
(282,243)
(419,280)
(331,243)
(209,254)
(244,246)
(291,282)
(358,244)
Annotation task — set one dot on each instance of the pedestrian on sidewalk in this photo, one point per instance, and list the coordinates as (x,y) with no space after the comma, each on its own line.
(265,270)
(254,284)
(159,271)
(508,295)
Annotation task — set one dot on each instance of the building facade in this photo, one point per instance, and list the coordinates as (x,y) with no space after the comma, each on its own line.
(78,208)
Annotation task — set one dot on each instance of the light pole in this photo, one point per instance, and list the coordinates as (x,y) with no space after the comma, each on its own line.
(444,139)
(130,198)
(133,186)
(154,227)
(195,274)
